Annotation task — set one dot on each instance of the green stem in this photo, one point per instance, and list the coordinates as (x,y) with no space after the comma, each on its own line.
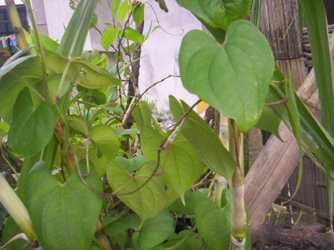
(238,236)
(40,48)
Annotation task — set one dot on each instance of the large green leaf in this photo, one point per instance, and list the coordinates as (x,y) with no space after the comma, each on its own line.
(32,128)
(147,201)
(204,140)
(73,41)
(181,165)
(217,13)
(233,78)
(83,73)
(64,214)
(24,71)
(179,161)
(156,230)
(213,223)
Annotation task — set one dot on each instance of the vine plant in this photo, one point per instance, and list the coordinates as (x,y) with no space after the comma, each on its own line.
(98,171)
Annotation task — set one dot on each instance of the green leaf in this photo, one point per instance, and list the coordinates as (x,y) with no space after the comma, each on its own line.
(22,72)
(78,124)
(132,164)
(147,201)
(214,224)
(156,230)
(64,214)
(151,134)
(85,74)
(114,7)
(293,112)
(74,39)
(217,13)
(109,36)
(179,161)
(32,128)
(124,10)
(233,78)
(118,231)
(205,141)
(138,14)
(133,35)
(185,240)
(269,122)
(181,165)
(106,140)
(316,20)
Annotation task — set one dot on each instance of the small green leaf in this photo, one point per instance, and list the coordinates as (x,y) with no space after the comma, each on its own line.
(32,128)
(78,124)
(106,140)
(269,122)
(138,14)
(133,35)
(156,230)
(109,36)
(204,140)
(132,164)
(124,10)
(64,214)
(233,78)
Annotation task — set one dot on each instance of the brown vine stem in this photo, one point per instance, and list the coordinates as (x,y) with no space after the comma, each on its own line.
(137,98)
(163,146)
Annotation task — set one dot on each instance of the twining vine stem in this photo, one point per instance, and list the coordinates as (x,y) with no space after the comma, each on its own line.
(137,98)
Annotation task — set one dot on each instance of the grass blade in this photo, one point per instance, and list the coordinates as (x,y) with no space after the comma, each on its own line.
(73,41)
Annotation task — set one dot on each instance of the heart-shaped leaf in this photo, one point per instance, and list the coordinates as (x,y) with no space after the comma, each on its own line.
(213,223)
(217,13)
(181,165)
(156,230)
(234,77)
(147,201)
(179,161)
(64,215)
(32,128)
